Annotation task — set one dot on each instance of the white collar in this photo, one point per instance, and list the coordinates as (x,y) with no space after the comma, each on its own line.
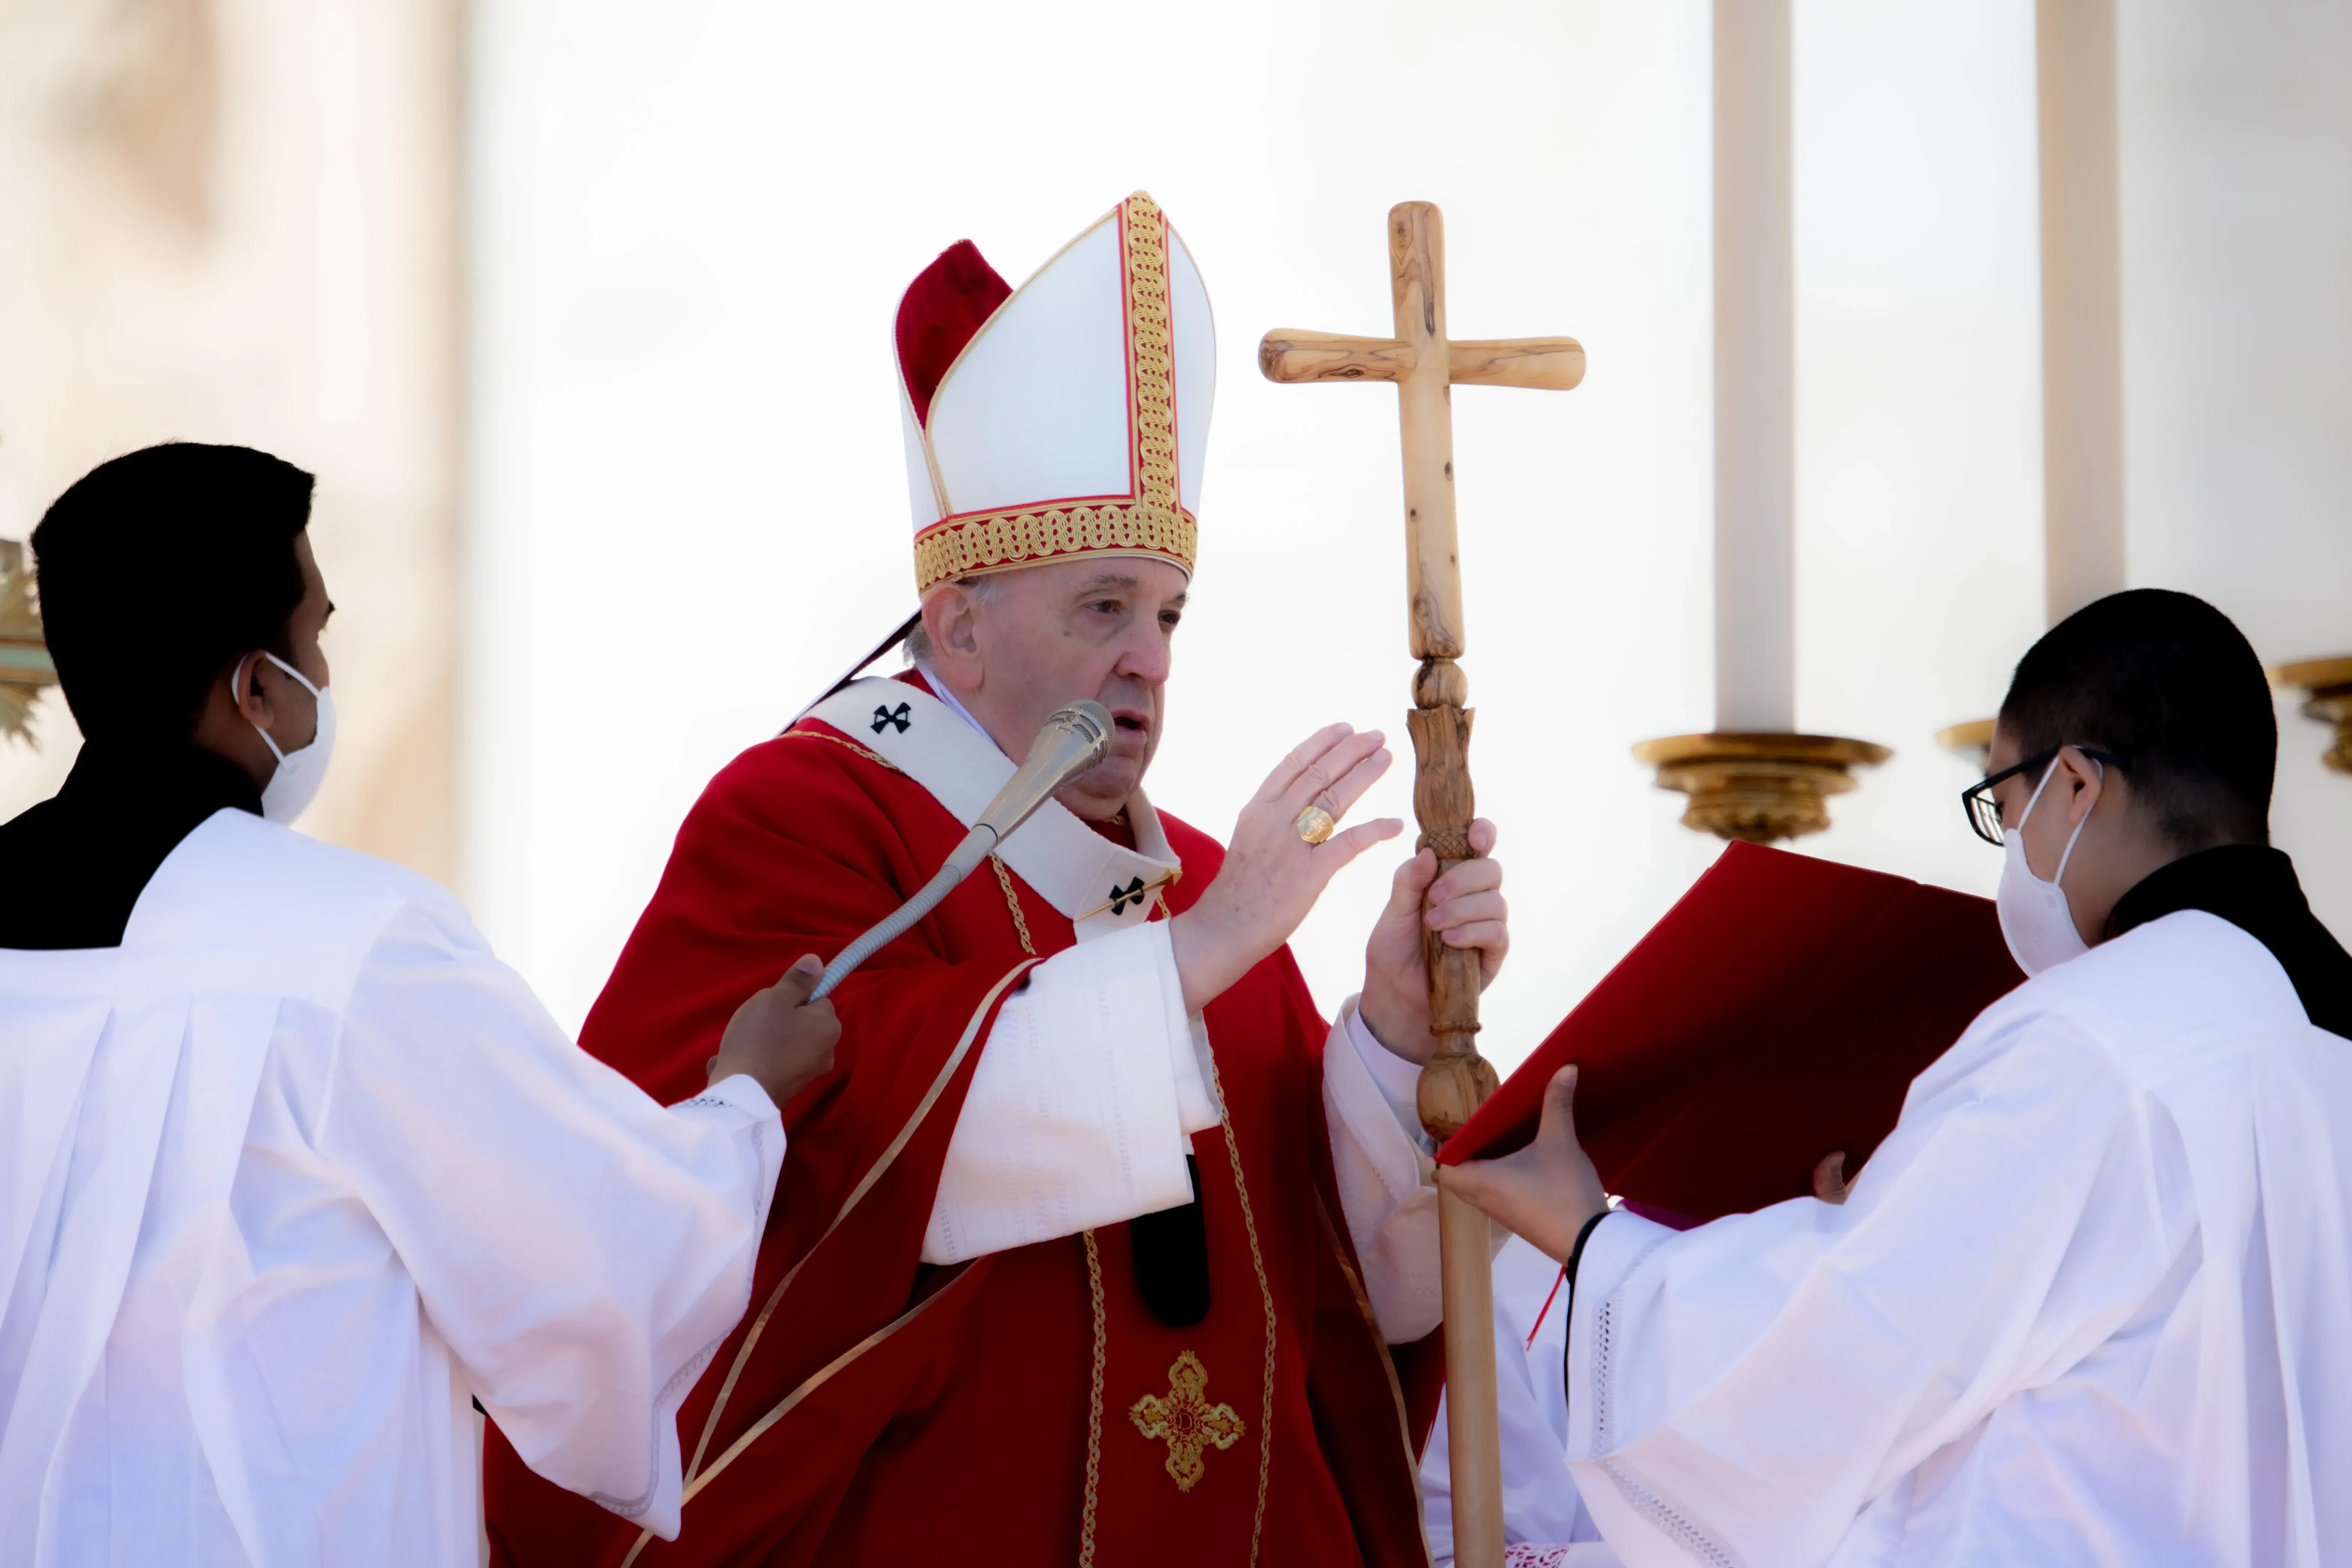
(945,693)
(1100,886)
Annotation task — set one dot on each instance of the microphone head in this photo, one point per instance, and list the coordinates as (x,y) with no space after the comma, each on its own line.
(1089,720)
(1072,740)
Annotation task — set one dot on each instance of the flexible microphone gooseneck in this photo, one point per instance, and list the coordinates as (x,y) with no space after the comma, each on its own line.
(1073,740)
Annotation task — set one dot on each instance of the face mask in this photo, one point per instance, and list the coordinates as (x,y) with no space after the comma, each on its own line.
(300,772)
(2034,919)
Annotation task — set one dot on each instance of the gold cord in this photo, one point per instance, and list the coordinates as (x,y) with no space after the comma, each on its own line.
(1093,1407)
(836,740)
(1012,902)
(1265,1296)
(1388,1357)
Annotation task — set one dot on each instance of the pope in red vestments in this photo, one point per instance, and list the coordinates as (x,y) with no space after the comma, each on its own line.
(1101,1244)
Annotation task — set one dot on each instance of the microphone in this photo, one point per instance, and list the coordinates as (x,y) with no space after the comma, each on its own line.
(1071,740)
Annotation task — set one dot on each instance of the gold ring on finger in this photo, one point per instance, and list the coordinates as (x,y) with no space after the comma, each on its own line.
(1315,825)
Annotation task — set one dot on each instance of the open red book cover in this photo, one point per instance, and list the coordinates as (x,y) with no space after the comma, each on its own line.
(1778,1011)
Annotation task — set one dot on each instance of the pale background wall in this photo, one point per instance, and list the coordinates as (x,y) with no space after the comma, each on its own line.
(237,221)
(2237,219)
(688,225)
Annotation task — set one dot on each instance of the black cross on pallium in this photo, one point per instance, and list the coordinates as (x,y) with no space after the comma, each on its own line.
(1122,897)
(883,717)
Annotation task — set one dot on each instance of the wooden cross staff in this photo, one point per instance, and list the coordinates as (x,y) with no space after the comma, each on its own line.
(1425,366)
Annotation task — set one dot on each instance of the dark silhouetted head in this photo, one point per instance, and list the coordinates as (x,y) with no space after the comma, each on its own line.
(157,569)
(2165,683)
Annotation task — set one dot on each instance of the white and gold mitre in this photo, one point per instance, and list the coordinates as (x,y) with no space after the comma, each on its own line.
(1070,417)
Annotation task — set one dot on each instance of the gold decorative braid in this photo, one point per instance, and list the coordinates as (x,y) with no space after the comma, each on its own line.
(866,1184)
(1094,1406)
(1151,351)
(980,542)
(808,1386)
(1020,924)
(838,740)
(1388,1359)
(1265,1298)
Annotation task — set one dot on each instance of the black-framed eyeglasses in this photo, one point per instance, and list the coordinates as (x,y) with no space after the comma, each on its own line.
(1984,812)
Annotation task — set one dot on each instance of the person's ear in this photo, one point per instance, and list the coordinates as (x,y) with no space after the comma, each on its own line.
(2085,782)
(952,620)
(251,694)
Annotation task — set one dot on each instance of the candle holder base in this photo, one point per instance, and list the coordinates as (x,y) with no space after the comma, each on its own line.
(2327,686)
(1972,741)
(25,664)
(1757,788)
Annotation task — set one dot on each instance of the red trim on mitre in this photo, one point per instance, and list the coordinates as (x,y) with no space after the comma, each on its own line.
(942,308)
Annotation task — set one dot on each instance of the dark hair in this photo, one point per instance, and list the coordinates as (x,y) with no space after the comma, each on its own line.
(156,568)
(2165,683)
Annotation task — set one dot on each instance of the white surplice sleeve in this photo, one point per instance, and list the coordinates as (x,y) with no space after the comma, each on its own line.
(1082,1105)
(1388,1181)
(580,1249)
(1090,1089)
(1746,1391)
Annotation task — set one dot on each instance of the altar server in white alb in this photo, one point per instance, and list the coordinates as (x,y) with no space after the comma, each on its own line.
(291,1169)
(2091,1301)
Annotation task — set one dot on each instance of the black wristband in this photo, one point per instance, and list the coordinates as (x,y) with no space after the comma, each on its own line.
(1568,1272)
(1576,1253)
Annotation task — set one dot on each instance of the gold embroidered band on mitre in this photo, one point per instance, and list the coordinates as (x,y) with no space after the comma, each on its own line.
(1151,352)
(1152,521)
(1187,1421)
(996,541)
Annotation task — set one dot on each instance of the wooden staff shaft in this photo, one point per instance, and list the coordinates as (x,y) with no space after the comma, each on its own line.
(1456,1079)
(1473,1442)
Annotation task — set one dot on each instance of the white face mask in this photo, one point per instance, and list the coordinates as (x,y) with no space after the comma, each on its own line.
(295,785)
(2034,919)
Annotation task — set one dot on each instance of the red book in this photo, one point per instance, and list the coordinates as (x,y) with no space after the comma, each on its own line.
(1778,1011)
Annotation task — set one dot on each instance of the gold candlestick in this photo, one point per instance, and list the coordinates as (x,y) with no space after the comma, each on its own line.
(1758,787)
(1972,741)
(2326,685)
(24,663)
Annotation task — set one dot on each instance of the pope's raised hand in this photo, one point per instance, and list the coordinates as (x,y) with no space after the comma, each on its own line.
(1272,877)
(778,1037)
(1545,1191)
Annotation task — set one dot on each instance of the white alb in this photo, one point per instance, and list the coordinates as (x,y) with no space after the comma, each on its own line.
(2089,1303)
(293,1176)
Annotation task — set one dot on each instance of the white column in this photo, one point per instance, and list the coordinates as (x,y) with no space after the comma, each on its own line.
(2081,314)
(1755,372)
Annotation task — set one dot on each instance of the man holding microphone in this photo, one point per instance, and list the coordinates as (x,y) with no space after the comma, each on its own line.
(293,1171)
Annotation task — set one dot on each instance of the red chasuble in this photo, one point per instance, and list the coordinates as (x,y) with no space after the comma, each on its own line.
(1025,1407)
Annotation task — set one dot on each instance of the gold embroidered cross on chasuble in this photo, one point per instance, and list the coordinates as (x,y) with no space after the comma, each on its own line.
(1187,1421)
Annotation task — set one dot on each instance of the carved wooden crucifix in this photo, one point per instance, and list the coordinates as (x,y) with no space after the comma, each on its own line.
(1425,365)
